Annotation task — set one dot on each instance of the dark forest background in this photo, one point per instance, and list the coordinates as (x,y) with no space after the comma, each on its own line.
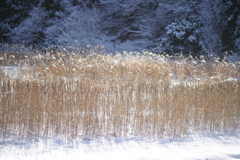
(186,26)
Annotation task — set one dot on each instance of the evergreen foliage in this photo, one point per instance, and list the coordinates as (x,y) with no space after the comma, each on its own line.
(198,26)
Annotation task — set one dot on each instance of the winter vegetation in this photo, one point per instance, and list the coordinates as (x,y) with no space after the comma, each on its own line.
(95,76)
(196,27)
(68,95)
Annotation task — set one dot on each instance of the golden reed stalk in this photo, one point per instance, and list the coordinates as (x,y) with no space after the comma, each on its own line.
(134,94)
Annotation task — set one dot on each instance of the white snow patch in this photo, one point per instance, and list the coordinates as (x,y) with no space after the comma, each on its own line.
(195,146)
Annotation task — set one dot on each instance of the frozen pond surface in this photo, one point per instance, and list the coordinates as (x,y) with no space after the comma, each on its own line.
(195,146)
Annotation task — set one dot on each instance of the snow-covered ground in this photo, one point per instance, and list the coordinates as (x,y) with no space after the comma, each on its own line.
(192,147)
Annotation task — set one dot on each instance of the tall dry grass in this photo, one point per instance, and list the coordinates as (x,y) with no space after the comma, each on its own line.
(131,94)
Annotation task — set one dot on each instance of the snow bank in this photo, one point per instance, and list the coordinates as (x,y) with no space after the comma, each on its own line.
(195,146)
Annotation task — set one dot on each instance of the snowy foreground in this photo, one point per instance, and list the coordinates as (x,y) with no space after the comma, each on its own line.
(194,146)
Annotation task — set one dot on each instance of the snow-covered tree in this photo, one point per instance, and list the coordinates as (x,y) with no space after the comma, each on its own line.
(237,36)
(210,14)
(81,27)
(13,12)
(183,35)
(176,28)
(206,26)
(30,31)
(85,3)
(125,20)
(231,32)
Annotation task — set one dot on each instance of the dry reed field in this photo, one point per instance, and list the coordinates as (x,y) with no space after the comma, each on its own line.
(133,94)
